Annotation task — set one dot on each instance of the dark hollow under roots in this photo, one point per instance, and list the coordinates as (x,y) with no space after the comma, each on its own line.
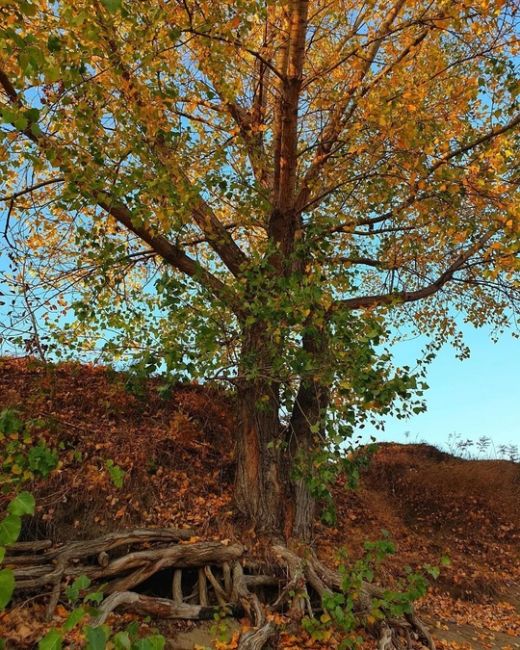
(202,579)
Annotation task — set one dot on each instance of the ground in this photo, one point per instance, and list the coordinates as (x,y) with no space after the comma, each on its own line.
(175,447)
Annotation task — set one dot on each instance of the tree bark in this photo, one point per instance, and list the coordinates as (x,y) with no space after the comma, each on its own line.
(259,482)
(306,421)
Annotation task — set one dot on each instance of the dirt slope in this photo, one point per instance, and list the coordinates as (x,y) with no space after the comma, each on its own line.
(177,458)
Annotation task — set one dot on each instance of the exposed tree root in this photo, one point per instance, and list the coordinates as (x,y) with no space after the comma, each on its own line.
(157,607)
(205,578)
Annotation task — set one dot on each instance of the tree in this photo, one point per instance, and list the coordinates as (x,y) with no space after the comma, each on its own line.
(257,191)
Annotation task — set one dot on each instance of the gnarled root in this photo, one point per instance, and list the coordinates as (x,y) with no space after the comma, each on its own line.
(214,582)
(308,572)
(259,637)
(264,631)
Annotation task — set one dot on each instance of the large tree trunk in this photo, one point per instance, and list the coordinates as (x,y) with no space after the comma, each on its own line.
(306,423)
(275,501)
(309,409)
(260,483)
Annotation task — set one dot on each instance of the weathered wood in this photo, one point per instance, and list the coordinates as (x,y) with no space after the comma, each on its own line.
(157,607)
(228,583)
(182,556)
(203,588)
(85,548)
(217,587)
(53,565)
(23,547)
(253,582)
(103,559)
(56,589)
(258,638)
(177,587)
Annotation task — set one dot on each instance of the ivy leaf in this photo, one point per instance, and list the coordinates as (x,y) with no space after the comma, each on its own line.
(6,587)
(10,527)
(23,504)
(51,641)
(96,638)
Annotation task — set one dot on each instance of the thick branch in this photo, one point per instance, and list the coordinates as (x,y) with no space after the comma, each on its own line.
(283,221)
(400,297)
(203,215)
(159,243)
(169,252)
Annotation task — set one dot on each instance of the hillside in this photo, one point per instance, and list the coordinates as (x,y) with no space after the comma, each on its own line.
(129,457)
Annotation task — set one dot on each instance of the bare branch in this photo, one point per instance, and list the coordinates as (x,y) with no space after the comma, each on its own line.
(32,188)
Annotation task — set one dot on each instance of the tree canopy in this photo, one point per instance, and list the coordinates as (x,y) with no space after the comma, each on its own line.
(256,191)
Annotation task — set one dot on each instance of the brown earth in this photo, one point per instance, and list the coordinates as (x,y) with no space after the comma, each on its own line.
(177,455)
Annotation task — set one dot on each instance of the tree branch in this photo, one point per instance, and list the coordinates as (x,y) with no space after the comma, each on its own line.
(218,237)
(400,297)
(160,244)
(32,188)
(168,251)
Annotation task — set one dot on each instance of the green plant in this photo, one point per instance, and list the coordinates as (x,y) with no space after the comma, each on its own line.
(24,454)
(10,527)
(221,628)
(41,459)
(97,637)
(341,609)
(116,473)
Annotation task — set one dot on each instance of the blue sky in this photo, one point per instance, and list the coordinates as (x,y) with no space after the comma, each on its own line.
(476,397)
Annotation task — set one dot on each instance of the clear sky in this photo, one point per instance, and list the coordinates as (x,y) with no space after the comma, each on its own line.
(476,397)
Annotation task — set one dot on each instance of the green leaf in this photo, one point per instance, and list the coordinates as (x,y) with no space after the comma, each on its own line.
(112,5)
(21,123)
(434,571)
(133,630)
(35,129)
(51,641)
(74,618)
(9,420)
(10,527)
(2,553)
(23,504)
(94,597)
(80,584)
(155,642)
(6,587)
(54,43)
(117,475)
(174,34)
(121,641)
(97,638)
(28,9)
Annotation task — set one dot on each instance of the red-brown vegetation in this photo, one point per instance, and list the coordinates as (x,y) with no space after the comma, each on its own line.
(177,455)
